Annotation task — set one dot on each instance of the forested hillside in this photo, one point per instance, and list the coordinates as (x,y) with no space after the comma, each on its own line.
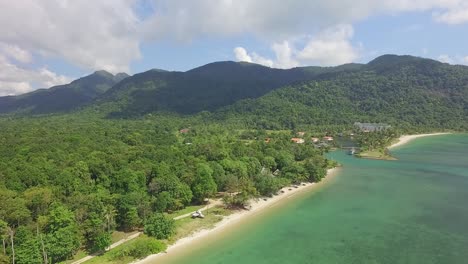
(400,90)
(68,182)
(404,91)
(62,98)
(206,88)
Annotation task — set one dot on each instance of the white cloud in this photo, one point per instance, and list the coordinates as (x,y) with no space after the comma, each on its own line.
(15,53)
(332,47)
(457,59)
(465,60)
(278,19)
(242,55)
(454,16)
(284,55)
(16,80)
(90,34)
(14,88)
(329,48)
(445,59)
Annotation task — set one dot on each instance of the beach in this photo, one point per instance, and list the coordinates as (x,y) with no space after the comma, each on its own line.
(407,138)
(257,206)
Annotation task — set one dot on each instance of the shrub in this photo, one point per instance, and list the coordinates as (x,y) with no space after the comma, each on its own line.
(141,248)
(159,226)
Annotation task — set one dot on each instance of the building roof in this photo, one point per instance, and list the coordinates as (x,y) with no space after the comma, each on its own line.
(297,140)
(185,130)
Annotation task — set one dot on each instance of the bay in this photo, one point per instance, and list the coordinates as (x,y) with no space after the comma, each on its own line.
(413,210)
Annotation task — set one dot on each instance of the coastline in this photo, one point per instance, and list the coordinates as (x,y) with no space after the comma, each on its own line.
(228,221)
(407,138)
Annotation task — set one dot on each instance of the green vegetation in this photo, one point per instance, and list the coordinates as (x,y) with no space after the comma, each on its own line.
(374,144)
(159,226)
(62,98)
(412,94)
(187,226)
(68,181)
(375,154)
(206,88)
(132,250)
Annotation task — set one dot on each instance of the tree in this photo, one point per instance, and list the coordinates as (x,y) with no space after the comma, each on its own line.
(269,163)
(27,247)
(159,226)
(11,235)
(13,208)
(316,169)
(163,201)
(284,159)
(204,185)
(294,172)
(62,234)
(101,241)
(268,185)
(127,210)
(38,200)
(3,234)
(109,214)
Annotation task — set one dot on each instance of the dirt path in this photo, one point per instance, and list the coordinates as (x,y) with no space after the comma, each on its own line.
(212,204)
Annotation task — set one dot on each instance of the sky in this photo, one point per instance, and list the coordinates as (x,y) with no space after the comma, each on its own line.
(51,42)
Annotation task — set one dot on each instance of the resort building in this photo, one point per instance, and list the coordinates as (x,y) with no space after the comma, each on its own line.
(298,140)
(371,127)
(184,131)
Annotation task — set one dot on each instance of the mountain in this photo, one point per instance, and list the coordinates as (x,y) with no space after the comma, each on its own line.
(61,98)
(401,90)
(206,88)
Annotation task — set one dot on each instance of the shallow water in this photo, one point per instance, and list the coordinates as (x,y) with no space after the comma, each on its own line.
(414,210)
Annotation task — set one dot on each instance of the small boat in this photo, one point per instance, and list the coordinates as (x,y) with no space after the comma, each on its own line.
(352,151)
(198,214)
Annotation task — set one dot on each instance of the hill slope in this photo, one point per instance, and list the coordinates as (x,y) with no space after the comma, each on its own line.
(61,98)
(400,90)
(206,88)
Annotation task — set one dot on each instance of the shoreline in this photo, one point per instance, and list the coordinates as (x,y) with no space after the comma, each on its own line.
(407,138)
(257,206)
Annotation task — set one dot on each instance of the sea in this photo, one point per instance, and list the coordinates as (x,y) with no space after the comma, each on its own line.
(413,210)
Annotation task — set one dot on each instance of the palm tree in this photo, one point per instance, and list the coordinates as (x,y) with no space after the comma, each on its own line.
(3,234)
(109,214)
(11,233)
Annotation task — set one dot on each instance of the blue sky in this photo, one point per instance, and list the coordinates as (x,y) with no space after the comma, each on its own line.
(62,39)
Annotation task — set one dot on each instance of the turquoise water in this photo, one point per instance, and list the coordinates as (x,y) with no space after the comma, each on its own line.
(414,210)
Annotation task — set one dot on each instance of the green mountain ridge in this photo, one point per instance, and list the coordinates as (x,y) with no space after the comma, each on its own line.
(61,98)
(206,88)
(402,90)
(406,90)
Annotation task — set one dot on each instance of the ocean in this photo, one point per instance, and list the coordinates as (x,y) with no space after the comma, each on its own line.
(413,210)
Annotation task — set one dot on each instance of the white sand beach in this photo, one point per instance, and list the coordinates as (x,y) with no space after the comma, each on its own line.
(228,221)
(407,138)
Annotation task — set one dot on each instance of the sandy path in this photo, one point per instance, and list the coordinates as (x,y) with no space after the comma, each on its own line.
(120,242)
